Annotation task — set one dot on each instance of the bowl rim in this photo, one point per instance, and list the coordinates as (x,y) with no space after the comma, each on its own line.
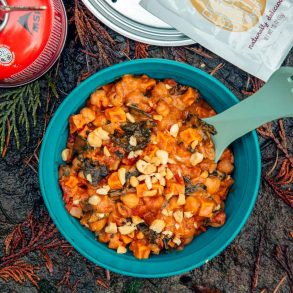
(65,232)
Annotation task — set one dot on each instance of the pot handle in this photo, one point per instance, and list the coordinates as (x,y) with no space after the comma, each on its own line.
(6,16)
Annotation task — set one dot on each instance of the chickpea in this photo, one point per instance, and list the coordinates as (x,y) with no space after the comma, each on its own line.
(98,225)
(226,166)
(192,204)
(123,210)
(88,114)
(76,164)
(100,120)
(173,205)
(97,97)
(162,109)
(130,200)
(212,184)
(94,140)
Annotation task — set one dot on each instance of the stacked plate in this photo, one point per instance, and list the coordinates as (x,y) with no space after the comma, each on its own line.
(128,18)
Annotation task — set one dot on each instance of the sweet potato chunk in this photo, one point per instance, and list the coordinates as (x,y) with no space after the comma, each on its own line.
(189,135)
(76,122)
(115,114)
(114,182)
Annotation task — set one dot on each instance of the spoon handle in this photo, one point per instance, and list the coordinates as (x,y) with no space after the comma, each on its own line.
(7,9)
(274,100)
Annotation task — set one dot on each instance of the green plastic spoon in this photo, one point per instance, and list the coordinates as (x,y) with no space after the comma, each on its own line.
(274,100)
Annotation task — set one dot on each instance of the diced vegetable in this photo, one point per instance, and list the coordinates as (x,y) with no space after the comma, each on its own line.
(115,114)
(189,135)
(114,182)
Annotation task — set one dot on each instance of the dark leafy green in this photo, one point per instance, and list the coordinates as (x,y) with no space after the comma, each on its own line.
(97,171)
(80,145)
(190,188)
(148,233)
(135,108)
(140,130)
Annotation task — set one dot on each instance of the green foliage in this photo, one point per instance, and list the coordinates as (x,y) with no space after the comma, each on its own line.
(16,108)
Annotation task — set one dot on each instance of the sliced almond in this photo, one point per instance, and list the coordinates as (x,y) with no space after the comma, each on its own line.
(171,161)
(168,233)
(89,178)
(94,200)
(196,158)
(150,193)
(177,241)
(124,230)
(166,213)
(179,159)
(177,226)
(194,144)
(163,155)
(157,225)
(121,249)
(188,215)
(131,155)
(76,201)
(100,215)
(168,196)
(181,199)
(195,225)
(133,141)
(141,177)
(149,169)
(134,154)
(158,176)
(130,118)
(103,190)
(147,159)
(106,152)
(103,134)
(168,87)
(158,117)
(178,216)
(111,228)
(169,174)
(156,161)
(65,154)
(133,181)
(138,153)
(148,182)
(140,165)
(162,170)
(136,220)
(163,181)
(154,180)
(81,175)
(122,175)
(174,130)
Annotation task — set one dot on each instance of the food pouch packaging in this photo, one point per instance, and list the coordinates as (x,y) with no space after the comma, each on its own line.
(255,35)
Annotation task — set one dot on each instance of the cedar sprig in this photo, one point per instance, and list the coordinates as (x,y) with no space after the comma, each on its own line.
(19,271)
(140,50)
(33,235)
(17,108)
(94,37)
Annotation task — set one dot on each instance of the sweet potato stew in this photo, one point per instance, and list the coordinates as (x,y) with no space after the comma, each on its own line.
(139,166)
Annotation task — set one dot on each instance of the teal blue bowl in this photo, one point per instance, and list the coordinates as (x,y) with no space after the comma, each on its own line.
(239,204)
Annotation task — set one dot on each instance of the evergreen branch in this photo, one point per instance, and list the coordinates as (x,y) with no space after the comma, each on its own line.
(17,107)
